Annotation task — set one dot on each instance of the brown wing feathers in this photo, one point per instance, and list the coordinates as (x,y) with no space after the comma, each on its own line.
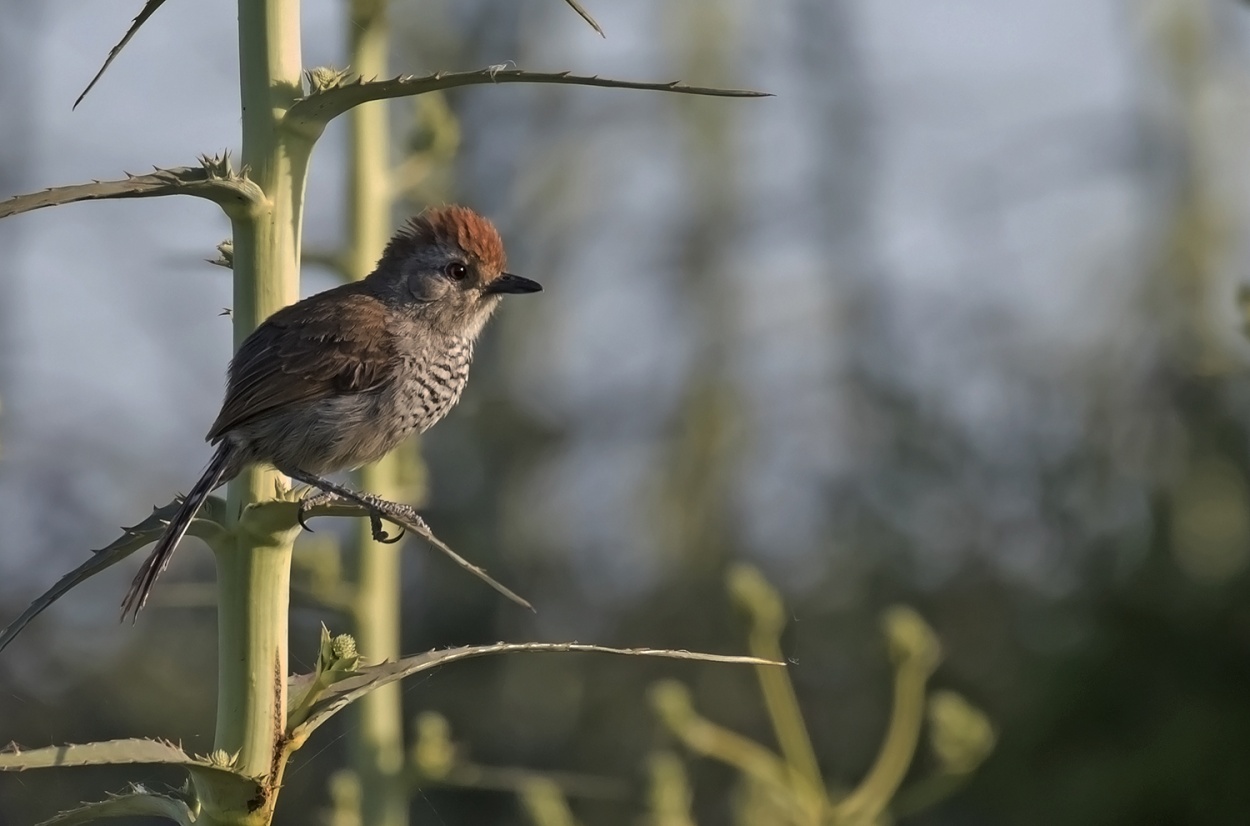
(329,344)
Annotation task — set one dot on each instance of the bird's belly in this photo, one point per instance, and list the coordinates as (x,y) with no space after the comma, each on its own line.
(329,435)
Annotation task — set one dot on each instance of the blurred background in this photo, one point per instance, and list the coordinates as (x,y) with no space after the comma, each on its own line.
(952,320)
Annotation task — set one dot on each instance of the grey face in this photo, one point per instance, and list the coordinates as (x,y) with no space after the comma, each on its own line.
(445,275)
(448,288)
(446,281)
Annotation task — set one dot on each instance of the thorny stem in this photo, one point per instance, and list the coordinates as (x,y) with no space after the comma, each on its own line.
(254,575)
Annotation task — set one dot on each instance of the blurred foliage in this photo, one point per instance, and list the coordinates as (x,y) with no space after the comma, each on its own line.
(787,788)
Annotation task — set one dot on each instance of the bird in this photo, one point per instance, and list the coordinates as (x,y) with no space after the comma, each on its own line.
(338,379)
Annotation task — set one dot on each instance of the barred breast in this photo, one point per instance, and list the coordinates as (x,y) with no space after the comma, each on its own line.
(431,382)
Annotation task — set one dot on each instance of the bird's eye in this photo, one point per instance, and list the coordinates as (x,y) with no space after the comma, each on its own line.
(456,271)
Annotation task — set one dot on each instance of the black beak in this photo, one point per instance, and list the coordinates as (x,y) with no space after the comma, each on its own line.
(509,283)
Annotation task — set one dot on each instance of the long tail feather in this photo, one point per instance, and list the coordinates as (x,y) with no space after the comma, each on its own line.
(158,560)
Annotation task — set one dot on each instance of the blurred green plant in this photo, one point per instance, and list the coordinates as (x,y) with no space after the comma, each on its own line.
(435,759)
(787,788)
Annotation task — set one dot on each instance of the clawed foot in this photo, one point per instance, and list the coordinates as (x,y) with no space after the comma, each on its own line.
(326,497)
(306,504)
(380,534)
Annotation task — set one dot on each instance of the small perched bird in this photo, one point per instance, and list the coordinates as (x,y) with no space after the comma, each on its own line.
(337,380)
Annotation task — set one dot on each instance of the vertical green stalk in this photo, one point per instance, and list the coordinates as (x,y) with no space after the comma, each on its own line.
(254,575)
(916,653)
(377,733)
(702,462)
(768,619)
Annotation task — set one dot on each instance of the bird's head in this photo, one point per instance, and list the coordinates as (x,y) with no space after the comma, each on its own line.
(447,266)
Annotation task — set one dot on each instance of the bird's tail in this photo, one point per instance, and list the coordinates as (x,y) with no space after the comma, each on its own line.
(158,560)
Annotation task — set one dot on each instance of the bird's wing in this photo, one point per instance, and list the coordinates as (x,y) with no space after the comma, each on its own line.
(330,344)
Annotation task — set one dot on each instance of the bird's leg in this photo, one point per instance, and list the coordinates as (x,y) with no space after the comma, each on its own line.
(322,498)
(376,506)
(405,516)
